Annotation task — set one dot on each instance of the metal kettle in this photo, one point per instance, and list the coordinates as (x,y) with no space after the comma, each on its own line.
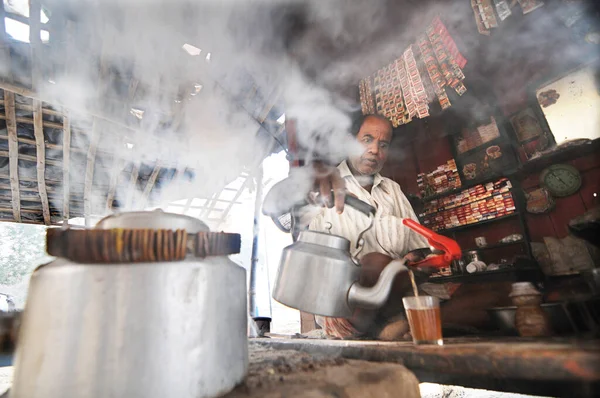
(317,274)
(108,319)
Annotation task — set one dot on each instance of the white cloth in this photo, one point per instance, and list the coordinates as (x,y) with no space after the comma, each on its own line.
(388,235)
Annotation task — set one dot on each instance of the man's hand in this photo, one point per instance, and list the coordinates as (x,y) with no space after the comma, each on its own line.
(327,179)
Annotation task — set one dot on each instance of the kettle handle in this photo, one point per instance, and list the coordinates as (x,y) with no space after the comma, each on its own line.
(359,205)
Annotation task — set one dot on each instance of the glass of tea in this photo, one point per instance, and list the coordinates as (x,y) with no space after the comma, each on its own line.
(423,313)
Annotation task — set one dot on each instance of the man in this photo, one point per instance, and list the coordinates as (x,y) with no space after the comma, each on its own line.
(387,239)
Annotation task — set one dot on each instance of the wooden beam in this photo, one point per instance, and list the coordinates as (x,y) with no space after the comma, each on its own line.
(150,184)
(38,130)
(25,92)
(28,179)
(132,184)
(26,107)
(57,198)
(65,164)
(31,159)
(13,154)
(27,120)
(89,173)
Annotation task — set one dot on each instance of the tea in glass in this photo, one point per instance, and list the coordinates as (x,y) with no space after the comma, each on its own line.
(424,318)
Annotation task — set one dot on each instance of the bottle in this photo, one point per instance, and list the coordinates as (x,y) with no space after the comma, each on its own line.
(530,318)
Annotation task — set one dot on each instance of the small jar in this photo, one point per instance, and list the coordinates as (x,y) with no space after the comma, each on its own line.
(530,318)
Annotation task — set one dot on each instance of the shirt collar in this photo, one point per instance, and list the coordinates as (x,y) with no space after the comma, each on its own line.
(345,172)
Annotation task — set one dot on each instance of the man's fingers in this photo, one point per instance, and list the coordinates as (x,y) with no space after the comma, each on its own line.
(325,190)
(339,191)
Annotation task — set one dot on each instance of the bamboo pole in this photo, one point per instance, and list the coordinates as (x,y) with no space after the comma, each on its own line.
(38,129)
(13,154)
(89,173)
(132,184)
(25,92)
(41,159)
(150,184)
(65,164)
(27,120)
(31,159)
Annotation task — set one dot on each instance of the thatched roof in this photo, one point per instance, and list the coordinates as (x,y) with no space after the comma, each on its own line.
(60,160)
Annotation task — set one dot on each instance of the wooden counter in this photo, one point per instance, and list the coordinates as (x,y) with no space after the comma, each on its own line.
(549,367)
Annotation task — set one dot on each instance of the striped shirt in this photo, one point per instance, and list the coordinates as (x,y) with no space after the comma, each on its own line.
(388,235)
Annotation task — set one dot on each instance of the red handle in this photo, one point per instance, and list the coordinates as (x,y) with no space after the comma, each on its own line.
(449,246)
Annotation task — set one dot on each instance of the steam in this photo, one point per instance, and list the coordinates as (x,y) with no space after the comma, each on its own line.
(307,55)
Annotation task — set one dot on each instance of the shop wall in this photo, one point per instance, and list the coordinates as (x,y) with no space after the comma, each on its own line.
(429,148)
(555,222)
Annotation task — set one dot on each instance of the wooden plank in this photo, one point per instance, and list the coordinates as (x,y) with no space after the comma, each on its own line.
(516,358)
(150,185)
(56,197)
(25,107)
(89,173)
(38,130)
(30,158)
(27,120)
(13,154)
(66,164)
(32,142)
(91,112)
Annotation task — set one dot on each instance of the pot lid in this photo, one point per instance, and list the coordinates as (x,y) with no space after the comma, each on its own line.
(156,219)
(324,239)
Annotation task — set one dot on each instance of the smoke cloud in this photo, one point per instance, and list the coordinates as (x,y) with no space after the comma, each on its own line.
(189,110)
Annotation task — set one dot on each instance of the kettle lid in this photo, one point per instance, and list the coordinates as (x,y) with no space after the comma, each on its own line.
(324,239)
(156,219)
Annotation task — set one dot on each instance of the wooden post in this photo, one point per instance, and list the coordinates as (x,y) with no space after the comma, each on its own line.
(38,131)
(13,154)
(65,165)
(132,184)
(89,174)
(150,185)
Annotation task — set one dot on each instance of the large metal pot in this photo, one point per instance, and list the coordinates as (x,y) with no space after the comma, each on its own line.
(154,329)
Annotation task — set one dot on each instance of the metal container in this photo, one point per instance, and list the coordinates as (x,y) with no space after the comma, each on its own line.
(317,275)
(170,329)
(472,256)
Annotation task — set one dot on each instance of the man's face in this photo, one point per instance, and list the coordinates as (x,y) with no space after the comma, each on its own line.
(375,135)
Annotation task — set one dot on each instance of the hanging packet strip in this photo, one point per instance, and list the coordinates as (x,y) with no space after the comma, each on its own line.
(452,73)
(449,43)
(502,9)
(416,84)
(437,80)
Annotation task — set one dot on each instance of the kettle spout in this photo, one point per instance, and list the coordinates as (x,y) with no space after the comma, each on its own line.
(376,296)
